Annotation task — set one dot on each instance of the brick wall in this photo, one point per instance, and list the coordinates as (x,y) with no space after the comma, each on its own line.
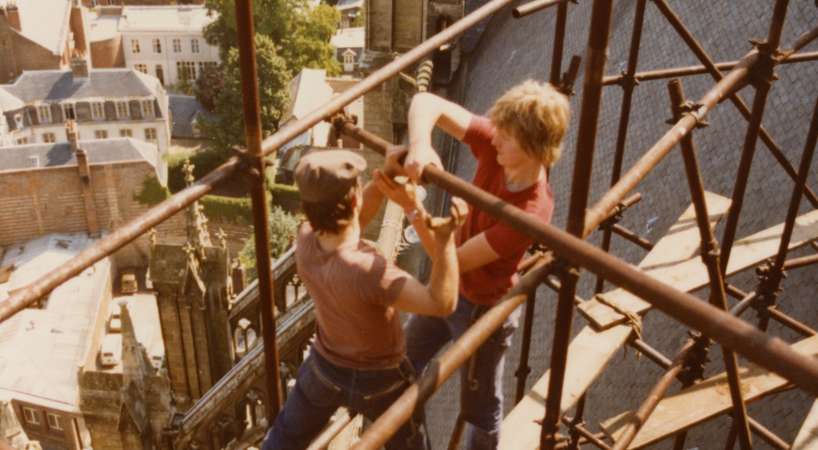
(107,53)
(18,53)
(49,200)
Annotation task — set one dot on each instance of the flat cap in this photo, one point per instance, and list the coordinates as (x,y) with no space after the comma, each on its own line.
(326,175)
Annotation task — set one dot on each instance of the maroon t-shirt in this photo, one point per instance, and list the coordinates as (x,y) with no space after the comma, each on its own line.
(487,284)
(353,288)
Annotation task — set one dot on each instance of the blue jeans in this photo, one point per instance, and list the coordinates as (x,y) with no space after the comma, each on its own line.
(482,402)
(321,387)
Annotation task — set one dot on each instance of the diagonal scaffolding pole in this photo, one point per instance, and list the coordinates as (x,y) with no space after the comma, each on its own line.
(705,59)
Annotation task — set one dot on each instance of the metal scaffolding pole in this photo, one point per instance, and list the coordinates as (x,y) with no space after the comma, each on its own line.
(258,193)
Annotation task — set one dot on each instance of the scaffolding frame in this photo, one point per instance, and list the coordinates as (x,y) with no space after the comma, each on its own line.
(567,249)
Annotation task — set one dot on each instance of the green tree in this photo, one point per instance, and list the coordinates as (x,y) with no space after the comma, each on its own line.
(226,128)
(208,86)
(283,226)
(301,34)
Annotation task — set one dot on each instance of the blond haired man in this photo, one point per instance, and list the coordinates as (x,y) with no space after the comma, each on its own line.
(514,146)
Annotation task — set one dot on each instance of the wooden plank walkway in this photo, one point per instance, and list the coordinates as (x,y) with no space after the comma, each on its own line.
(807,438)
(703,401)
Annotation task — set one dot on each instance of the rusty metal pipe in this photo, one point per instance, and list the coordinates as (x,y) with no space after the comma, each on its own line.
(631,236)
(559,43)
(624,114)
(663,74)
(773,38)
(652,400)
(523,370)
(119,238)
(710,256)
(595,58)
(651,353)
(791,322)
(294,129)
(803,261)
(442,367)
(258,194)
(534,6)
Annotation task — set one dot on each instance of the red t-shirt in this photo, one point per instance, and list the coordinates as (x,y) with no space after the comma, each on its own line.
(487,284)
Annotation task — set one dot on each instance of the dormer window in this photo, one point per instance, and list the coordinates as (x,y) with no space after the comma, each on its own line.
(97,111)
(148,111)
(18,121)
(68,111)
(44,113)
(122,111)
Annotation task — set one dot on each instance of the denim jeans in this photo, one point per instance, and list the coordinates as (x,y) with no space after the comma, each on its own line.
(321,387)
(482,399)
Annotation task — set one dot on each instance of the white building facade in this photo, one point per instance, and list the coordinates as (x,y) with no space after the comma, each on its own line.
(105,103)
(167,41)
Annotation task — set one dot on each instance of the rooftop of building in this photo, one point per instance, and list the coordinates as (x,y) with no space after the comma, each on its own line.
(102,27)
(54,85)
(57,337)
(145,319)
(102,151)
(349,4)
(45,22)
(349,38)
(185,109)
(165,18)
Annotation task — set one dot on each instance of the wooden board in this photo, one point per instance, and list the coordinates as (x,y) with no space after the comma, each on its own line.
(807,438)
(703,401)
(679,247)
(691,274)
(588,355)
(591,351)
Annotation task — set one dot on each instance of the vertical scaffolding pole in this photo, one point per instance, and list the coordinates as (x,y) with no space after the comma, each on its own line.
(628,83)
(764,83)
(596,56)
(710,256)
(258,194)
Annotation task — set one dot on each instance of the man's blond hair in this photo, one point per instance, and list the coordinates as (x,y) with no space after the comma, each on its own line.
(536,115)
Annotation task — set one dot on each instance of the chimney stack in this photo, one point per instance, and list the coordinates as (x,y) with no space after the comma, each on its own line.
(72,135)
(79,65)
(13,15)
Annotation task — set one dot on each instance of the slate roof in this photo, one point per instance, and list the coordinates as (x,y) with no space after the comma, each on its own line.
(51,85)
(348,4)
(349,38)
(45,22)
(184,110)
(20,157)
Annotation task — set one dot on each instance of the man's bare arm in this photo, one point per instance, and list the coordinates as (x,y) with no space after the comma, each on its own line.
(426,112)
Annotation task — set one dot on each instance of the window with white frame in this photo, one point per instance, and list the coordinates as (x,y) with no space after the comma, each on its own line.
(186,70)
(135,46)
(148,110)
(177,45)
(157,46)
(49,138)
(122,111)
(97,110)
(68,111)
(44,113)
(125,132)
(150,134)
(31,416)
(349,58)
(141,67)
(100,134)
(22,141)
(54,422)
(194,46)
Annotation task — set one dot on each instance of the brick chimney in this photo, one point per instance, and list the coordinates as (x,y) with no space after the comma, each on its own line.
(84,172)
(12,14)
(79,65)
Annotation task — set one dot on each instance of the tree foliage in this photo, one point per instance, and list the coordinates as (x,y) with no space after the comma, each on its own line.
(226,128)
(283,226)
(300,33)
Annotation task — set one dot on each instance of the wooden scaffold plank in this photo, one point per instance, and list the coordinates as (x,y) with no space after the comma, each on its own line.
(807,438)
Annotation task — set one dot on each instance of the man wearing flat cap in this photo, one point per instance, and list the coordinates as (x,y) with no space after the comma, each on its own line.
(358,359)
